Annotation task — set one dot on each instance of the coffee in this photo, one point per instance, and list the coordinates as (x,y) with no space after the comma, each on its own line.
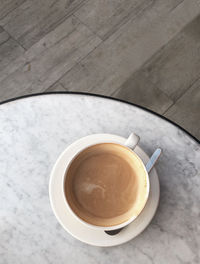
(106,185)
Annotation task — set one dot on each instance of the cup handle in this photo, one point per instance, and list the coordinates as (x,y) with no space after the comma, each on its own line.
(132,141)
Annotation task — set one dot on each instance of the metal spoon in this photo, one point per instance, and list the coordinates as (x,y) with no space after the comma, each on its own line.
(150,164)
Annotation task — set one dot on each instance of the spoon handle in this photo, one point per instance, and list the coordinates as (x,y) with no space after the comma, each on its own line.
(150,164)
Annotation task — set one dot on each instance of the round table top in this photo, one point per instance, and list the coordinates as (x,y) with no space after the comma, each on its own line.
(35,130)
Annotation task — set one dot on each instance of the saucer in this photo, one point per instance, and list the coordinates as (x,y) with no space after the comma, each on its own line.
(81,231)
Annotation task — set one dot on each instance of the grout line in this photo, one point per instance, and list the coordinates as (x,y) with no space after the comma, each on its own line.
(12,10)
(90,52)
(52,4)
(77,62)
(168,108)
(62,86)
(158,51)
(57,23)
(126,20)
(118,89)
(167,43)
(171,10)
(117,26)
(188,88)
(183,93)
(56,82)
(14,39)
(5,40)
(87,27)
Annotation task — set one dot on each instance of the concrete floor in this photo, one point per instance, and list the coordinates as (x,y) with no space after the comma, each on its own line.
(143,51)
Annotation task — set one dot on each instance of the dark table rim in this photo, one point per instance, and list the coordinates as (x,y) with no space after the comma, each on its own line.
(101,96)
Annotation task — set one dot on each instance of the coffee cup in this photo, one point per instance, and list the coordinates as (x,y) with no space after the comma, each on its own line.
(105,184)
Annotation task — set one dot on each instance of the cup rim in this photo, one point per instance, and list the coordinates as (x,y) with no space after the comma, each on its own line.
(113,227)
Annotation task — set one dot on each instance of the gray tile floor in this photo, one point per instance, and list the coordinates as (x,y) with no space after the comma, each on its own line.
(143,51)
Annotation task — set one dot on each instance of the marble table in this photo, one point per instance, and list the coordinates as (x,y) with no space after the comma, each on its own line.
(35,130)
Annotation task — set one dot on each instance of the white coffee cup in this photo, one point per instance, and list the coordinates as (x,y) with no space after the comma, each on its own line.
(130,143)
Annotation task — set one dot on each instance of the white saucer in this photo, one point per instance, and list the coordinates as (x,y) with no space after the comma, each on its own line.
(81,231)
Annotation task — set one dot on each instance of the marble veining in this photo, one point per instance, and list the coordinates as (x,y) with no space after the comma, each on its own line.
(35,130)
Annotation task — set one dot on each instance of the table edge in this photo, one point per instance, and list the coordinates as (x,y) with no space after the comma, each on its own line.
(101,96)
